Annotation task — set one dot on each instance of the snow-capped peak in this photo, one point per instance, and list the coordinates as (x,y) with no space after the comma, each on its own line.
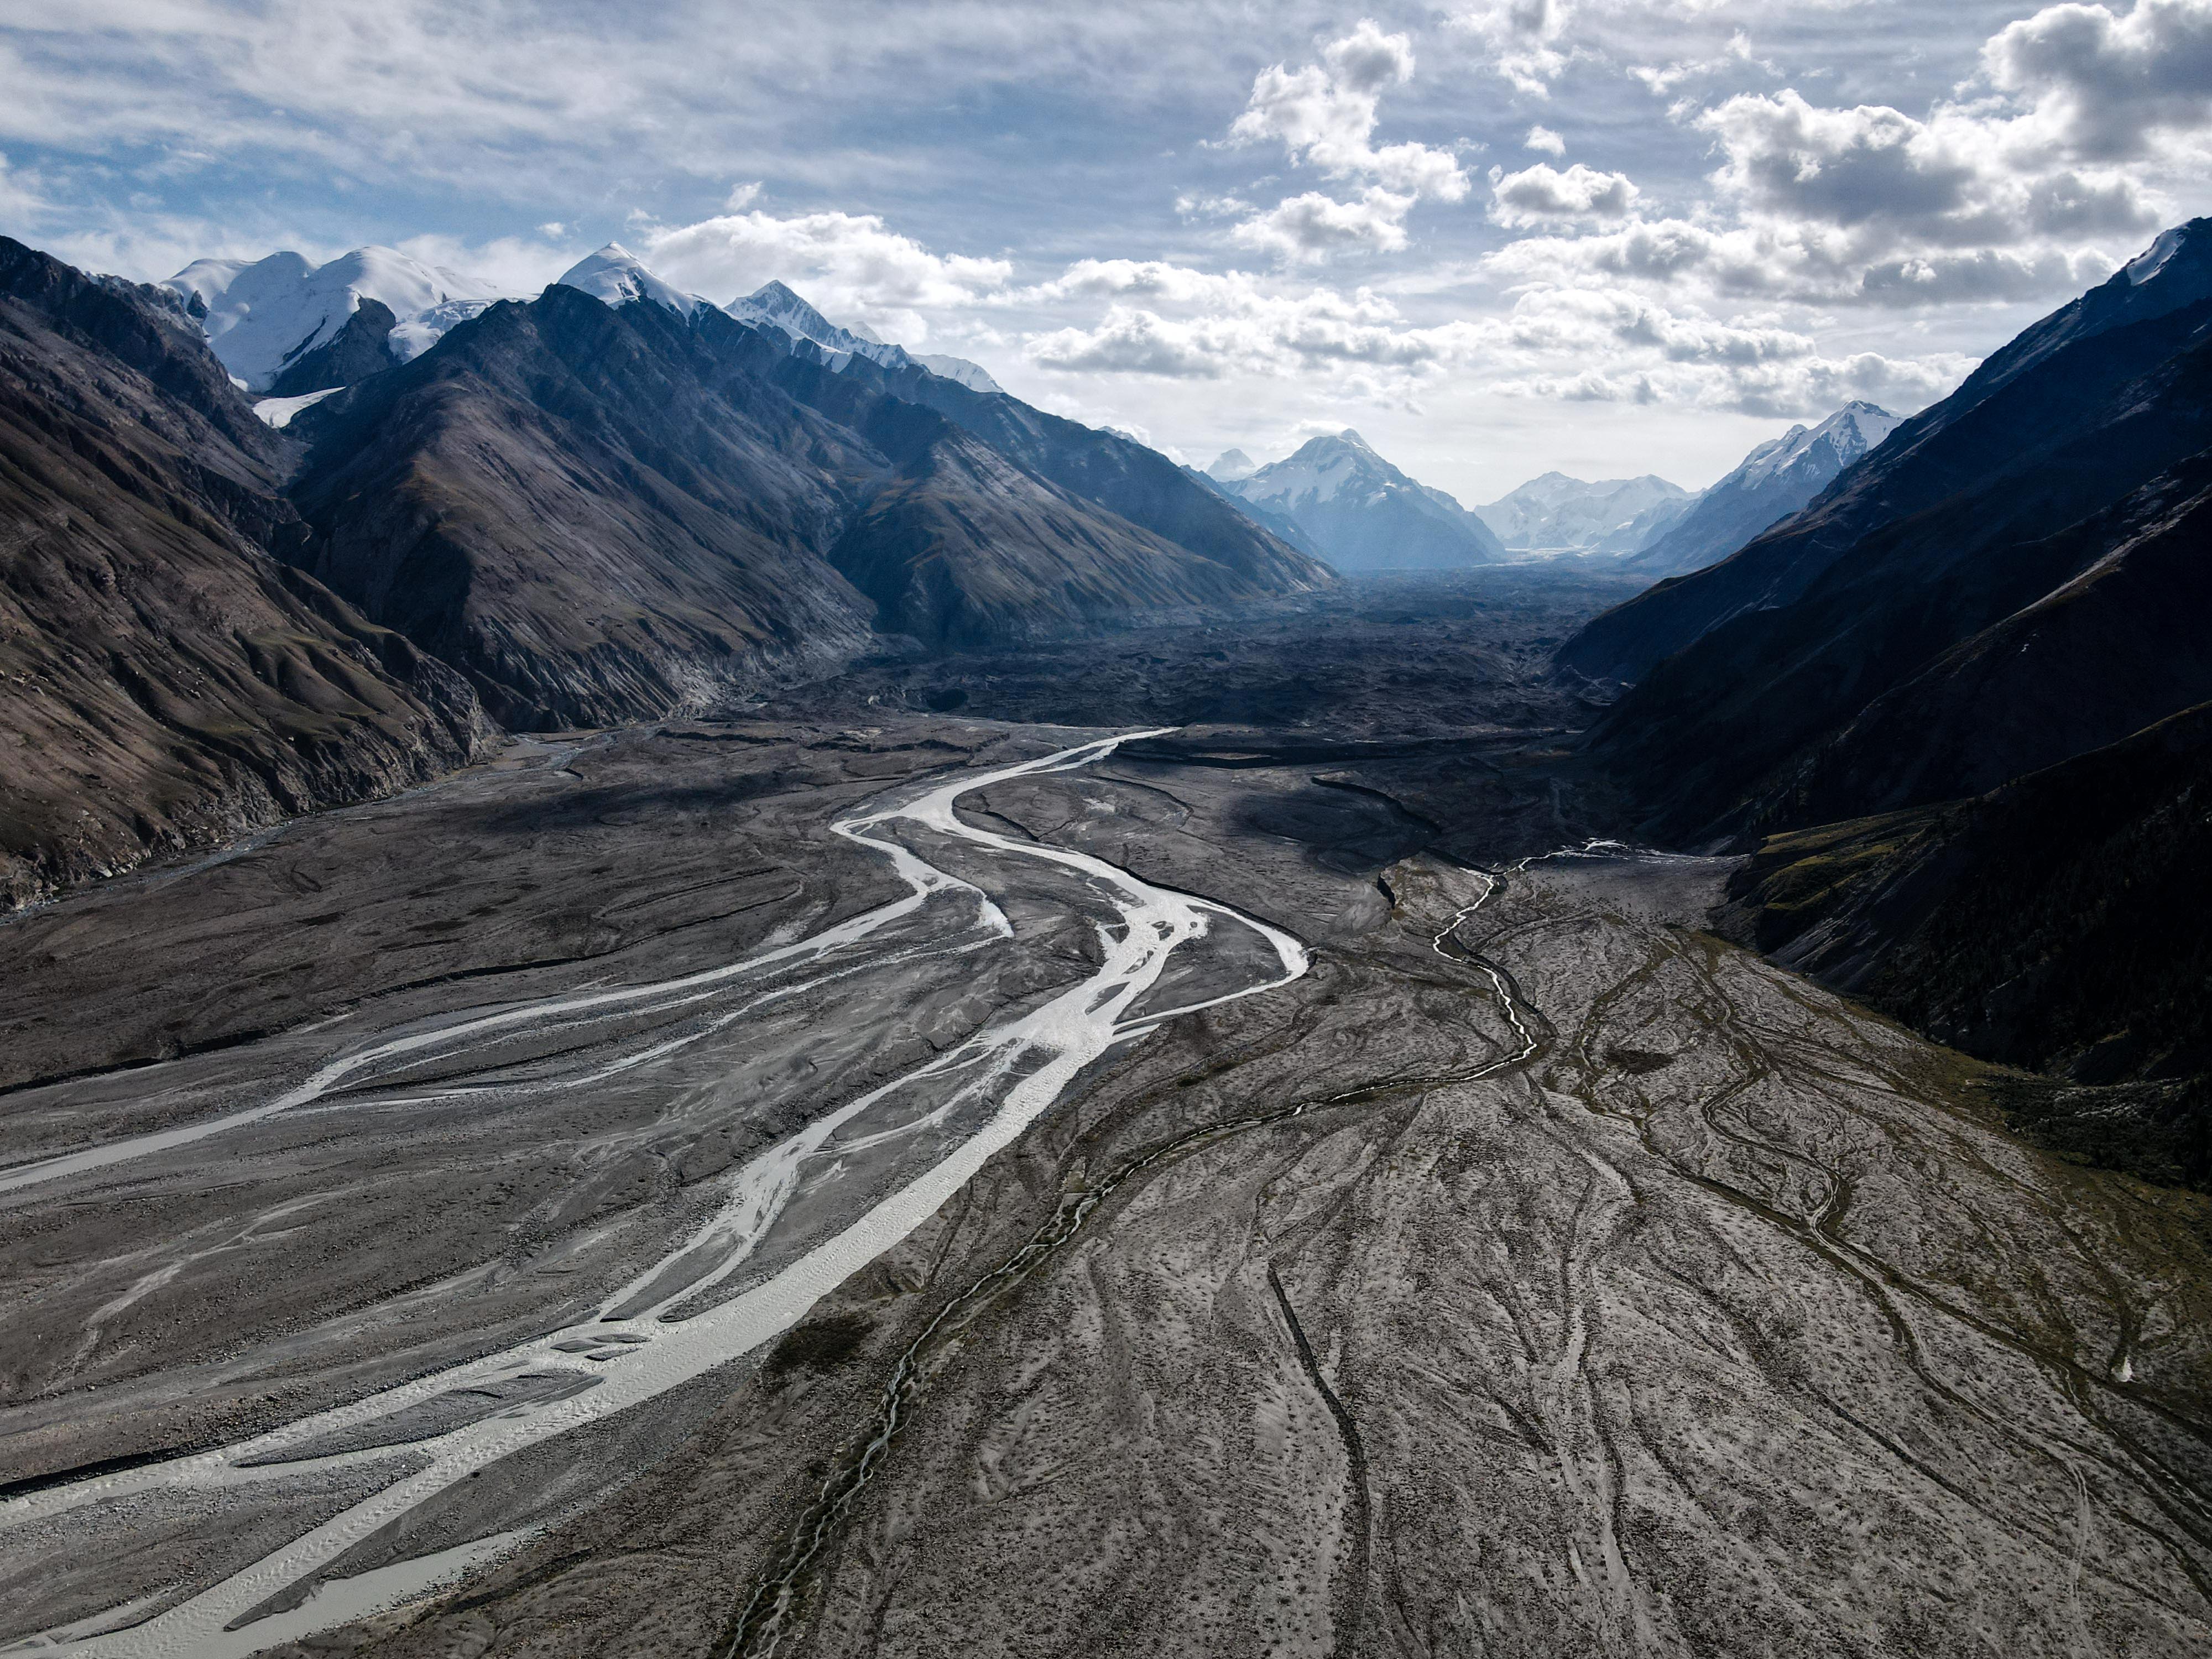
(616,276)
(1230,465)
(1851,431)
(1319,468)
(2153,259)
(772,305)
(772,302)
(261,314)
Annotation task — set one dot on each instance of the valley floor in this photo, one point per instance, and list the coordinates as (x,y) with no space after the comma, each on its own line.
(894,1176)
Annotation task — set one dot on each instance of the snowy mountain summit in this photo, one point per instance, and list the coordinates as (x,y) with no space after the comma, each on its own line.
(1556,511)
(1363,513)
(1836,442)
(618,276)
(264,317)
(775,305)
(1774,481)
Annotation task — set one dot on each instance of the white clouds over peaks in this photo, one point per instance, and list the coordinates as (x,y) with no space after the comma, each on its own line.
(851,265)
(2013,189)
(1325,115)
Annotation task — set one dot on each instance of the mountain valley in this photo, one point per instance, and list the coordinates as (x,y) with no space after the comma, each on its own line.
(682,982)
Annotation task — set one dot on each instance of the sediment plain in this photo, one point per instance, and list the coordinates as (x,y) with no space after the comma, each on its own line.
(676,1237)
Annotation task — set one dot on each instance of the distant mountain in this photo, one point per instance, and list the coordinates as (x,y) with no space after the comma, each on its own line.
(1557,511)
(276,323)
(1909,686)
(1364,514)
(165,678)
(775,305)
(1230,465)
(1268,520)
(1774,481)
(1645,528)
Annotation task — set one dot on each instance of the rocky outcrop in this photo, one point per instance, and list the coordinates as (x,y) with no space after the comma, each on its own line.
(359,349)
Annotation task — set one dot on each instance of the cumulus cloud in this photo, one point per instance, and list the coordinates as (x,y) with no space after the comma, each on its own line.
(514,265)
(1522,36)
(2032,181)
(1543,194)
(2106,85)
(1544,139)
(1316,227)
(1166,322)
(852,265)
(1807,263)
(1325,115)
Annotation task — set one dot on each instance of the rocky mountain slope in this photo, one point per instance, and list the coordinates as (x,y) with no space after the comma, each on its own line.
(1939,690)
(592,515)
(564,512)
(1554,511)
(2054,922)
(2049,504)
(166,676)
(606,512)
(1777,479)
(1365,514)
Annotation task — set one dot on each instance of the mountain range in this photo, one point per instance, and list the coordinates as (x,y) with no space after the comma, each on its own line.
(1358,510)
(1777,478)
(1337,498)
(1900,693)
(609,503)
(1555,511)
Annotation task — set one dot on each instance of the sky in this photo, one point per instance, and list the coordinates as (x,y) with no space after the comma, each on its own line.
(1496,237)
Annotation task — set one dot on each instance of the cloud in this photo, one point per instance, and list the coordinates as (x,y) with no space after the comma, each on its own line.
(1522,36)
(23,206)
(1809,265)
(1325,115)
(1735,54)
(2105,85)
(514,264)
(1132,341)
(1542,194)
(1317,226)
(1235,328)
(1957,180)
(851,265)
(1545,139)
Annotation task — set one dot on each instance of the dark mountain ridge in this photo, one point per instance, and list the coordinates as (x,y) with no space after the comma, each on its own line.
(562,514)
(166,676)
(1749,674)
(730,513)
(1959,708)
